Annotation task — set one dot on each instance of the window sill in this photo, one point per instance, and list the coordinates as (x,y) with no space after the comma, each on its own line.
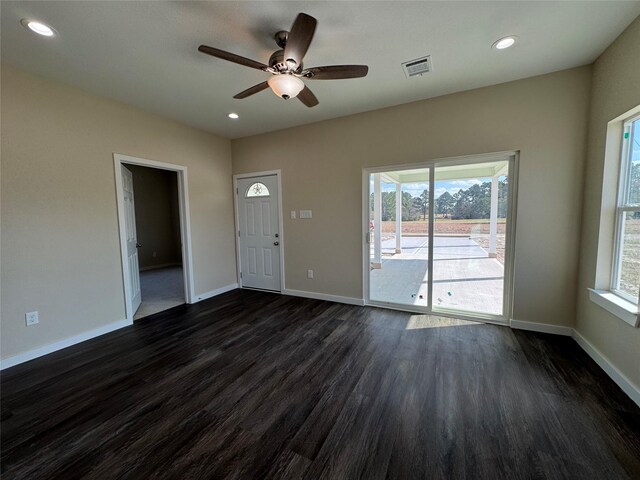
(619,307)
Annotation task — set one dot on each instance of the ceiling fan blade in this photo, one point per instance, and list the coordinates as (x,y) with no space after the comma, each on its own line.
(300,37)
(307,97)
(335,72)
(250,91)
(231,57)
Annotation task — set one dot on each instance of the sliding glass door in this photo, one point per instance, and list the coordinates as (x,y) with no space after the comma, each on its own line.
(469,237)
(439,237)
(399,237)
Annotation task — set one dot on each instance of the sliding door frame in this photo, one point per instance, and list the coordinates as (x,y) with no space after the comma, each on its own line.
(507,309)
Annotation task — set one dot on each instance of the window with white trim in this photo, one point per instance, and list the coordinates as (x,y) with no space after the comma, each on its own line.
(625,278)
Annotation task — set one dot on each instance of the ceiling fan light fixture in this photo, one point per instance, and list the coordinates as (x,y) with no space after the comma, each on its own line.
(286,86)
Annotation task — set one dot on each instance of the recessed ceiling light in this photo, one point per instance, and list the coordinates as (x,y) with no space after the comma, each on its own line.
(233,115)
(505,42)
(38,27)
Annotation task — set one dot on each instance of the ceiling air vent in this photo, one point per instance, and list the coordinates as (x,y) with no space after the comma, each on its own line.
(417,67)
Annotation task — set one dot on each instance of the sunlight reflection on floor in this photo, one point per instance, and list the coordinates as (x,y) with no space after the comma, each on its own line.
(431,321)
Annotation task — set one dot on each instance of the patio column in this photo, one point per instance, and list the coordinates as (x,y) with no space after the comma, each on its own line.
(493,219)
(377,222)
(398,218)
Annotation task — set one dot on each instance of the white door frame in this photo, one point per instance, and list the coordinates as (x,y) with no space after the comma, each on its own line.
(510,235)
(185,224)
(266,173)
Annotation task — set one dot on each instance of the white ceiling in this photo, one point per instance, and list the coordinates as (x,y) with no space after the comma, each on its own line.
(145,53)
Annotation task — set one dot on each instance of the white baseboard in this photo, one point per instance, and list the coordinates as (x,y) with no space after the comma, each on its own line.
(60,344)
(67,342)
(324,296)
(542,327)
(213,293)
(616,375)
(632,390)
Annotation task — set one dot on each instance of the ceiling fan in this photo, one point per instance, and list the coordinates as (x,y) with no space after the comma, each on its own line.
(285,65)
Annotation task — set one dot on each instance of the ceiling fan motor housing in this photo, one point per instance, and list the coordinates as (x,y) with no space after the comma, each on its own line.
(281,38)
(279,63)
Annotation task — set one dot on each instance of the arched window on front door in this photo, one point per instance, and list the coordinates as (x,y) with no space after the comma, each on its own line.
(257,189)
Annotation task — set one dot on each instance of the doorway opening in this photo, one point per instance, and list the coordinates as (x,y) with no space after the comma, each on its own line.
(440,236)
(157,230)
(154,235)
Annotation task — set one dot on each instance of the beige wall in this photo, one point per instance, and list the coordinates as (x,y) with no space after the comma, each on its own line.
(157,216)
(544,117)
(59,245)
(616,90)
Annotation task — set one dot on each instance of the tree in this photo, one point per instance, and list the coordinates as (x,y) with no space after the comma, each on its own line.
(472,203)
(388,206)
(503,192)
(444,204)
(416,208)
(424,203)
(410,210)
(461,207)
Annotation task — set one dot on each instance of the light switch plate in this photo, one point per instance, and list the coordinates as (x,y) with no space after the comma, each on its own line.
(305,214)
(293,214)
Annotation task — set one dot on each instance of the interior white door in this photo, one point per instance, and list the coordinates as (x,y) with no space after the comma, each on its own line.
(259,232)
(132,240)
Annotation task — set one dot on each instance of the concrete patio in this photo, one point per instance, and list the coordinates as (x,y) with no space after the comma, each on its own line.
(465,276)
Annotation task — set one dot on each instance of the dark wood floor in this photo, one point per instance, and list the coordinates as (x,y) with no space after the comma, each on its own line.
(257,385)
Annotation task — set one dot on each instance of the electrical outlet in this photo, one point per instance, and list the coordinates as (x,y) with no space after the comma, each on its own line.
(309,273)
(306,214)
(31,318)
(293,214)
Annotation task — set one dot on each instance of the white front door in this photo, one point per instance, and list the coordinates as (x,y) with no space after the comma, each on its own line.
(132,240)
(259,232)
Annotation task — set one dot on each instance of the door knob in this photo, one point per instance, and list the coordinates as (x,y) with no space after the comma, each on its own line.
(276,243)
